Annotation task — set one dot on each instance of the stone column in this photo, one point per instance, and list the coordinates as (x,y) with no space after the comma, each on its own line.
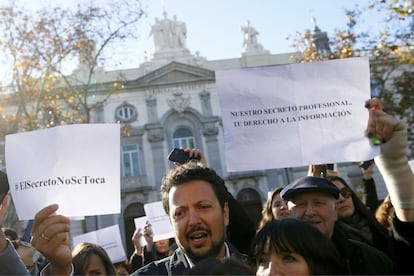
(210,132)
(152,109)
(156,139)
(205,103)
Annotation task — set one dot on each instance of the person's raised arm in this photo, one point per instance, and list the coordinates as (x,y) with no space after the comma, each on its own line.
(148,236)
(321,170)
(11,263)
(50,236)
(136,258)
(138,248)
(3,213)
(316,170)
(370,189)
(391,134)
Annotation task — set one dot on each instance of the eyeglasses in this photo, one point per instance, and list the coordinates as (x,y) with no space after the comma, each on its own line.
(345,192)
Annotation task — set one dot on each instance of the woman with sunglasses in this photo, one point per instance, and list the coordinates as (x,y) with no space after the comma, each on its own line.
(353,212)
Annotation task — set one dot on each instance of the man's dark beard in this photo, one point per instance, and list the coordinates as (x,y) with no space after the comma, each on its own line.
(213,252)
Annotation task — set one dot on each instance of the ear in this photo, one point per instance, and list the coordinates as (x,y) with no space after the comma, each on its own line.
(226,216)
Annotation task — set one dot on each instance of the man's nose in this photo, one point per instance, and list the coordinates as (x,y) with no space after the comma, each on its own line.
(310,210)
(193,217)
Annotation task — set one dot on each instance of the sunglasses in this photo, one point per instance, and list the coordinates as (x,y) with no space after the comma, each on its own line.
(345,192)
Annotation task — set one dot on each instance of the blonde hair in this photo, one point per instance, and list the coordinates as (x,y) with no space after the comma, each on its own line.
(384,212)
(267,214)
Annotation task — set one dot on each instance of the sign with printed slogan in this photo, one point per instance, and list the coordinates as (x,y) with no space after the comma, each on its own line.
(160,222)
(109,238)
(295,115)
(158,219)
(75,166)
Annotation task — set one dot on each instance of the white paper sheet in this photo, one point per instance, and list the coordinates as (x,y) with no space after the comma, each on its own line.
(76,166)
(109,238)
(295,115)
(139,224)
(159,220)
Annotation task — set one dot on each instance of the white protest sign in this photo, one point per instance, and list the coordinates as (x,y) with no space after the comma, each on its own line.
(160,222)
(108,238)
(295,115)
(139,224)
(76,166)
(411,163)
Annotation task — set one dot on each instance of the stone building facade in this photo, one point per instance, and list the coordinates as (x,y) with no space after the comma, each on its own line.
(171,101)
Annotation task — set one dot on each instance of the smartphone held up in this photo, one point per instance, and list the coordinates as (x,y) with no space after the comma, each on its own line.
(366,164)
(180,156)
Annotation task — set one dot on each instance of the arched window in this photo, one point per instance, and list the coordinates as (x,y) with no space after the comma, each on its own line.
(183,137)
(250,200)
(131,212)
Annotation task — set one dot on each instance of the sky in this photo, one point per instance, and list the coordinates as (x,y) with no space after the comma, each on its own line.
(214,26)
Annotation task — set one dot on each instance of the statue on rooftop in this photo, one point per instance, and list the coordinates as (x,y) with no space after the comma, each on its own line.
(249,36)
(179,33)
(157,32)
(251,46)
(169,34)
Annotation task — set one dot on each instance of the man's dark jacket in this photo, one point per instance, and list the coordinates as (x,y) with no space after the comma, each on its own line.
(177,264)
(359,257)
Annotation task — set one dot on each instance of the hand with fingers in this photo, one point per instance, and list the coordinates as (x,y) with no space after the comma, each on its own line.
(50,236)
(316,170)
(321,170)
(380,124)
(391,135)
(194,154)
(367,168)
(148,235)
(136,241)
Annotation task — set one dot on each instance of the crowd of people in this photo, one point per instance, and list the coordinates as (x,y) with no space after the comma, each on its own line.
(315,225)
(145,254)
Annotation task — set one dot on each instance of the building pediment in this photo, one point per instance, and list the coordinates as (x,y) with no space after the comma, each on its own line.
(174,73)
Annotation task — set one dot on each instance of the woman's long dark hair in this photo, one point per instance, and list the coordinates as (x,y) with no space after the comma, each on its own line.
(379,232)
(81,254)
(295,236)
